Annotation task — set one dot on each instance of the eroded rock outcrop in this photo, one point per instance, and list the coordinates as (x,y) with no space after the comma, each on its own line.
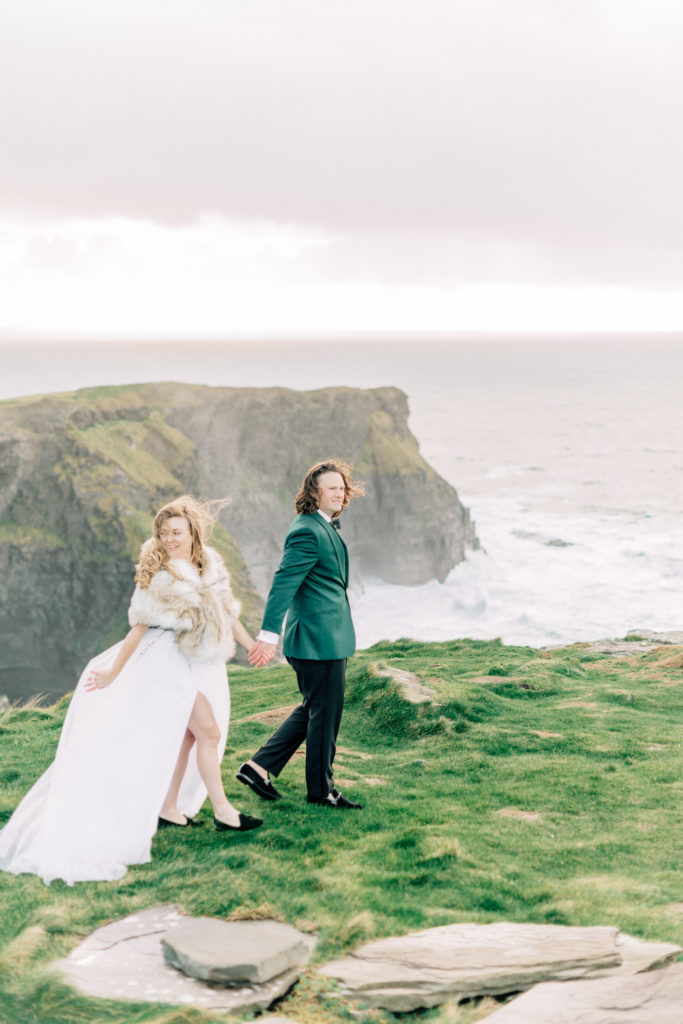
(81,473)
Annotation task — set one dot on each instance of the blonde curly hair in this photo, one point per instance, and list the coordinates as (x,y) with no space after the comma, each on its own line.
(200,516)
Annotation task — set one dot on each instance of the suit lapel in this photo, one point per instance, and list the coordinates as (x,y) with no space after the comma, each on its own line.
(339,548)
(341,543)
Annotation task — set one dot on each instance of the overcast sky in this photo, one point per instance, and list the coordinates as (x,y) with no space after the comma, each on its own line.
(212,167)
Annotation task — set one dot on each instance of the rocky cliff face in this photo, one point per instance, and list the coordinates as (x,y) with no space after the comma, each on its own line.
(82,473)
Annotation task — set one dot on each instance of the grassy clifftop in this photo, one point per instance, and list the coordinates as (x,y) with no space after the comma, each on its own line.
(544,787)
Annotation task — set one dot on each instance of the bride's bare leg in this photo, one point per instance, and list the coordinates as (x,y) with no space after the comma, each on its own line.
(203,727)
(169,809)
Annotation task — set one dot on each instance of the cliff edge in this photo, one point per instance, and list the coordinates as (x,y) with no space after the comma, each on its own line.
(81,474)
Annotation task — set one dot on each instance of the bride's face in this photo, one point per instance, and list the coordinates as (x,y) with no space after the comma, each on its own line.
(176,538)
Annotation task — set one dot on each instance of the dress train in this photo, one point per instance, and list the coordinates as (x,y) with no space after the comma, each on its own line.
(95,809)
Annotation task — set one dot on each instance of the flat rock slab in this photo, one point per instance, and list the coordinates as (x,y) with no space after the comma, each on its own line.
(423,969)
(279,1020)
(620,648)
(409,685)
(124,960)
(647,641)
(655,997)
(674,637)
(234,952)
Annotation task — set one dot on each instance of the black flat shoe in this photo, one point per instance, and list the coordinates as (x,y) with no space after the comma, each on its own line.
(335,799)
(190,823)
(245,825)
(344,802)
(262,787)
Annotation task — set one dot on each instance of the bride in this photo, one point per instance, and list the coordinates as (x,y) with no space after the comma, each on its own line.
(146,728)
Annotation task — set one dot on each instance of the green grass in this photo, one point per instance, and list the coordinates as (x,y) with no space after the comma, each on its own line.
(142,449)
(390,452)
(18,535)
(546,787)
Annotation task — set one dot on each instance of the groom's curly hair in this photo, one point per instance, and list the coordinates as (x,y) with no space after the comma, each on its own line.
(307,498)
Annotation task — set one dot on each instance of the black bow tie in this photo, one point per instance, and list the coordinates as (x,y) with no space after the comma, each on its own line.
(336,524)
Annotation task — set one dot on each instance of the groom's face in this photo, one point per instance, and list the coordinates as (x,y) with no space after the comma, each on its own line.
(331,492)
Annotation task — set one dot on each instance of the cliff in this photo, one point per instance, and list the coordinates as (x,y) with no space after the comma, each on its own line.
(81,474)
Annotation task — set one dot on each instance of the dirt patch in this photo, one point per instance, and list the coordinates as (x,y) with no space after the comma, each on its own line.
(273,717)
(517,814)
(618,884)
(548,735)
(666,658)
(491,680)
(354,753)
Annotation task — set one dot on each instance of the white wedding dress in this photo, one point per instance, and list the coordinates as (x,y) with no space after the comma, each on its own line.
(95,810)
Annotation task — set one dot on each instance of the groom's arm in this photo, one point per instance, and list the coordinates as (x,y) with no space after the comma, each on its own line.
(300,556)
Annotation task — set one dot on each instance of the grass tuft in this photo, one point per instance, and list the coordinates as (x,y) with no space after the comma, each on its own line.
(18,953)
(359,928)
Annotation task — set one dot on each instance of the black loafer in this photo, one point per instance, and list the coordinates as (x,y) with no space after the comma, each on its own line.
(245,825)
(344,802)
(336,799)
(262,787)
(190,823)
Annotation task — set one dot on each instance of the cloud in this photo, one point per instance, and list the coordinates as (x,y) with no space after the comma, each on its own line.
(215,278)
(436,143)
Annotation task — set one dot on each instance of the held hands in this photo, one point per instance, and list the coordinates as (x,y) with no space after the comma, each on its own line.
(261,653)
(99,680)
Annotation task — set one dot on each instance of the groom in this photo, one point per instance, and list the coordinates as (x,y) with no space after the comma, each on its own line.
(311,585)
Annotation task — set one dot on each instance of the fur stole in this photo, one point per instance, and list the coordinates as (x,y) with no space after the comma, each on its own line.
(199,609)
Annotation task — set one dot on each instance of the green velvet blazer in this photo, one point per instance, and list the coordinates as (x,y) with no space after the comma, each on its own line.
(310,585)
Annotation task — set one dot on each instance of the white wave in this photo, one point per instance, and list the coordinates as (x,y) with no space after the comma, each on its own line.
(616,573)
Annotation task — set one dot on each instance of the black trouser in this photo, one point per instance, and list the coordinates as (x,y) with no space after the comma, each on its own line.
(316,720)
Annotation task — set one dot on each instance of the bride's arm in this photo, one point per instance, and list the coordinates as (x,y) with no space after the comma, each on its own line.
(98,680)
(242,637)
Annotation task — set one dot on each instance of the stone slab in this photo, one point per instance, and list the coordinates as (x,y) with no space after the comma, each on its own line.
(279,1020)
(653,997)
(124,960)
(637,955)
(409,685)
(672,636)
(235,952)
(620,648)
(648,640)
(423,969)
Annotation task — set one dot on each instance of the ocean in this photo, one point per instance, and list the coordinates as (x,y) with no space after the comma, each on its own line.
(567,450)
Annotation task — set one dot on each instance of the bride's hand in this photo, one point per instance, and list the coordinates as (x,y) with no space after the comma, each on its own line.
(99,680)
(261,653)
